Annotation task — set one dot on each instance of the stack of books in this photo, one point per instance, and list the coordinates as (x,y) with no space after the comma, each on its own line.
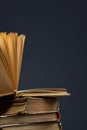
(34,109)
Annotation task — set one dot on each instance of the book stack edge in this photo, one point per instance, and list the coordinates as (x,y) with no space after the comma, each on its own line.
(34,109)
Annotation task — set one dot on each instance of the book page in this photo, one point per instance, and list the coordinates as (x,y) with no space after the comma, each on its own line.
(11,53)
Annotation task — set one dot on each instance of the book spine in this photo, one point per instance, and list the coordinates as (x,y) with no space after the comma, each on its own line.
(60,125)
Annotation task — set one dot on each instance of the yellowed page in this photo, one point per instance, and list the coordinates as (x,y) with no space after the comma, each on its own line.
(5,50)
(11,53)
(11,56)
(5,82)
(14,42)
(20,47)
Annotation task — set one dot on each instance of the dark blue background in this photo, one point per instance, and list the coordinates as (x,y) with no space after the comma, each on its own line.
(55,53)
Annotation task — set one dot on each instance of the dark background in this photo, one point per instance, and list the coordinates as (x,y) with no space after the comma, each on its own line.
(55,53)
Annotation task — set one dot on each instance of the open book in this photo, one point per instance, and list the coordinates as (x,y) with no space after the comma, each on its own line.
(11,52)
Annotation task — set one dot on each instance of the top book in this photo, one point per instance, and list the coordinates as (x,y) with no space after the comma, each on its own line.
(11,52)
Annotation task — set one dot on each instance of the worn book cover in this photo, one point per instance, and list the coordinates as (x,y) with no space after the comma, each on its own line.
(29,105)
(35,126)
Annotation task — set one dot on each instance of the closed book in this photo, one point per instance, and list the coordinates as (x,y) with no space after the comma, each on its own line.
(30,105)
(43,92)
(35,126)
(28,118)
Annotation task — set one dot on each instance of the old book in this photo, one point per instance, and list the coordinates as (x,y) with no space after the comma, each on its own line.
(44,92)
(35,126)
(28,118)
(30,105)
(11,52)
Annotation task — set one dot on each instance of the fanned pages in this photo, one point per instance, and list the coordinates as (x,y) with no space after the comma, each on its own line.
(11,52)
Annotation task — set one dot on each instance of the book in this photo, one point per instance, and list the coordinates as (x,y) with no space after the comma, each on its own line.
(30,105)
(28,110)
(11,53)
(34,126)
(44,92)
(28,118)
